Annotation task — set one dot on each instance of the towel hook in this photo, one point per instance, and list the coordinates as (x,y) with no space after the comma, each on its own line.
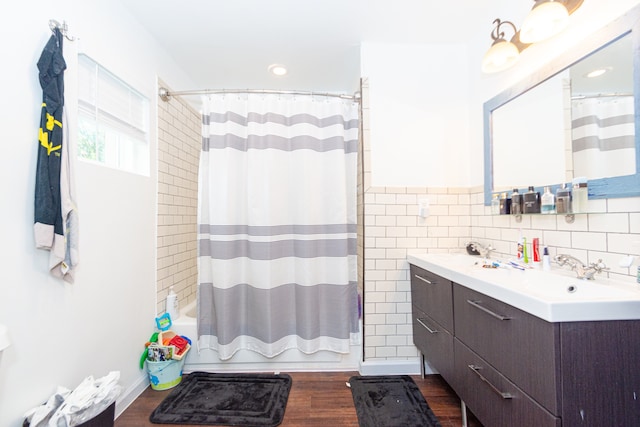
(64,28)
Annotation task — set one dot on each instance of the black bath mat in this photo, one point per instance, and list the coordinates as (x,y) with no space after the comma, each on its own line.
(390,401)
(205,398)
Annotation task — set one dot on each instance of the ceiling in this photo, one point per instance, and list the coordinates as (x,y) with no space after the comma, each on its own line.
(230,44)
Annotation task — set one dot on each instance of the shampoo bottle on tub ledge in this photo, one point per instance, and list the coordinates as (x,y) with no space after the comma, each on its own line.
(172,304)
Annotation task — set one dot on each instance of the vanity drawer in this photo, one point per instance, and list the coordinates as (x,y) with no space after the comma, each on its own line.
(495,400)
(433,295)
(524,348)
(435,343)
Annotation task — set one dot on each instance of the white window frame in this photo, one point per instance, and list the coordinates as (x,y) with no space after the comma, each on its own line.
(113,120)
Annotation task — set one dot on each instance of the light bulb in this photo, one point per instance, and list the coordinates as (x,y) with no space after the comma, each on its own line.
(500,56)
(544,21)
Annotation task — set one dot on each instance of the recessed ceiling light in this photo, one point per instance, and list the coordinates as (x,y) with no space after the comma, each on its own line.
(277,69)
(597,72)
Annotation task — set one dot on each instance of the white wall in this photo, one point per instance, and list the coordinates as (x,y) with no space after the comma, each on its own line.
(419,109)
(62,333)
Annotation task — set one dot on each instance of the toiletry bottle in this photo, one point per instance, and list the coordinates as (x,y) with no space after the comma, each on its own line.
(516,202)
(525,254)
(520,249)
(548,202)
(580,197)
(535,248)
(531,201)
(172,304)
(505,204)
(563,199)
(546,262)
(495,205)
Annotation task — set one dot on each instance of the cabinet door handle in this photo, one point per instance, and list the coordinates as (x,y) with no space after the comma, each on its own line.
(477,305)
(503,394)
(423,279)
(431,331)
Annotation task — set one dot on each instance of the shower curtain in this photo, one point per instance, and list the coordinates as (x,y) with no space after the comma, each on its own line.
(277,224)
(603,140)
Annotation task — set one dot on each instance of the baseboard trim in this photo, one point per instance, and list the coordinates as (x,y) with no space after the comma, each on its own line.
(393,367)
(131,394)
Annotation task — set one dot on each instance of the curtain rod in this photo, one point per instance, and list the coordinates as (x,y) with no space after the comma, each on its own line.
(166,95)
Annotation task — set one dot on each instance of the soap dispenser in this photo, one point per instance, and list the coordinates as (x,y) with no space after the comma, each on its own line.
(548,202)
(531,201)
(505,204)
(516,202)
(580,195)
(172,304)
(495,205)
(563,199)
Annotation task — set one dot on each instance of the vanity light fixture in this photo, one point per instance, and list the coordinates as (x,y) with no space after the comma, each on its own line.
(277,70)
(547,18)
(502,54)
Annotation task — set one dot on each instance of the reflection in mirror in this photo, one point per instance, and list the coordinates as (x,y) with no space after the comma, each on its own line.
(530,142)
(602,112)
(569,122)
(569,125)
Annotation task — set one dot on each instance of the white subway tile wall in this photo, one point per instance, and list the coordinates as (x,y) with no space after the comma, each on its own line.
(179,142)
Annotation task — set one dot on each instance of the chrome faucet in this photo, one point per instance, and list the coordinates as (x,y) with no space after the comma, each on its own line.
(583,271)
(483,250)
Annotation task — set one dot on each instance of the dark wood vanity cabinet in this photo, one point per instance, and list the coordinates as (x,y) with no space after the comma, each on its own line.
(514,369)
(432,294)
(432,314)
(506,363)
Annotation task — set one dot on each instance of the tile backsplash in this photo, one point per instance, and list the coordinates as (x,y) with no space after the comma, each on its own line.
(393,229)
(610,233)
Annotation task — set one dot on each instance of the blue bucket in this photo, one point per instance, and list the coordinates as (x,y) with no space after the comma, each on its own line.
(166,374)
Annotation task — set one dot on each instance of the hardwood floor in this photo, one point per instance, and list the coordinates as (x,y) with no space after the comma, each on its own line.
(319,399)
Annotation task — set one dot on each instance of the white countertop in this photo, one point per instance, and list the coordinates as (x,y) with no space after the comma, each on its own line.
(554,296)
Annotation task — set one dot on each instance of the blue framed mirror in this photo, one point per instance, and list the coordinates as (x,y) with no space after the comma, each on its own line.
(559,124)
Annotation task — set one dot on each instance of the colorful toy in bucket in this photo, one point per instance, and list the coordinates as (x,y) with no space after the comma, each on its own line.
(166,374)
(164,322)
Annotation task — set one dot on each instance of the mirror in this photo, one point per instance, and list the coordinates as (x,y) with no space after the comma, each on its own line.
(560,124)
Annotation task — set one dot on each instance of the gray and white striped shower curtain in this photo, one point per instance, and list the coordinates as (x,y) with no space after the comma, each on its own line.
(277,224)
(603,136)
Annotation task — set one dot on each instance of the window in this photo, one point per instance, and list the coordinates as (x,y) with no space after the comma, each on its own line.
(113,125)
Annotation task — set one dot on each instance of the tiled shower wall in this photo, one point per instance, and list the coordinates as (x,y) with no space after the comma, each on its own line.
(179,142)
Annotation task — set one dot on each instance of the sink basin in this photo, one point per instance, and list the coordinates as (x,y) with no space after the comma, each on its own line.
(555,296)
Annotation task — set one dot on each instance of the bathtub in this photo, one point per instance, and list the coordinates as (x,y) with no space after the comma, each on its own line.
(249,361)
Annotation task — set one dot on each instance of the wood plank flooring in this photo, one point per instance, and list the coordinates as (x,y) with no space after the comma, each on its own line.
(319,399)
